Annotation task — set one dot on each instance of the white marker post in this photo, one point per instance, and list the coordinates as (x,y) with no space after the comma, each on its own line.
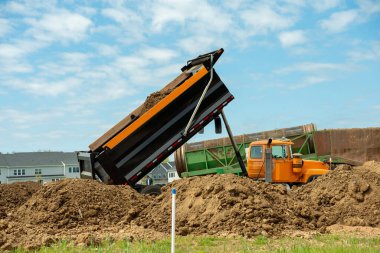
(173,219)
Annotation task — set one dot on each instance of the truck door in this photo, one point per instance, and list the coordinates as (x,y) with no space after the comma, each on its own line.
(282,164)
(255,162)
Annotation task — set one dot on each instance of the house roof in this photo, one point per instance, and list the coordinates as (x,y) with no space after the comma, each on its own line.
(38,158)
(162,168)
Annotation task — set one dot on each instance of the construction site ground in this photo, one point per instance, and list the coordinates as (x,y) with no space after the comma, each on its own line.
(220,208)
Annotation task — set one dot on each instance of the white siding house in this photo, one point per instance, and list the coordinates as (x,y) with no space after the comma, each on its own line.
(38,166)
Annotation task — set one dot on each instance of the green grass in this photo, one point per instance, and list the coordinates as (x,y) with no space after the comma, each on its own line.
(318,243)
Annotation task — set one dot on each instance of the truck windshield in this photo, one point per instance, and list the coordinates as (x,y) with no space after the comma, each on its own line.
(256,152)
(279,151)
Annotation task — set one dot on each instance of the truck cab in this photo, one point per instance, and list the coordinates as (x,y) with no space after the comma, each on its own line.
(284,166)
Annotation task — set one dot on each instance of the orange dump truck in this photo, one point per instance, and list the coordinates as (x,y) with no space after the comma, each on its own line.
(274,161)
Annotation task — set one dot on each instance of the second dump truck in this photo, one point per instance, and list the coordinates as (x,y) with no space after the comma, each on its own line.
(352,146)
(273,160)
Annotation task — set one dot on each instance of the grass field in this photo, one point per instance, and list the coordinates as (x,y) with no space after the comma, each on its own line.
(317,243)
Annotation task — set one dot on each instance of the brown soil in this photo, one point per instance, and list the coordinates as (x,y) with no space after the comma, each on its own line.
(79,202)
(153,99)
(85,211)
(224,204)
(347,196)
(14,195)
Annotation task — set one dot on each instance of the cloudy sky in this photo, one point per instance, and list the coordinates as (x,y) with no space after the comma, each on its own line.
(70,70)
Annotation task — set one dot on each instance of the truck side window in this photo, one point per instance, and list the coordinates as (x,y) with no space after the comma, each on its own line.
(256,152)
(279,151)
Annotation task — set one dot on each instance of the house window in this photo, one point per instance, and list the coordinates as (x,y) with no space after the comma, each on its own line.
(55,179)
(37,172)
(19,172)
(73,169)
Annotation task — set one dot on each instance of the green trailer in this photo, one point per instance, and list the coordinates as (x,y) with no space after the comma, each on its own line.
(336,146)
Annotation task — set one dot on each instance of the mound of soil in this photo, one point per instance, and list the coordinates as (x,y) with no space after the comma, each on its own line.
(78,202)
(153,99)
(223,205)
(347,196)
(77,209)
(14,195)
(85,211)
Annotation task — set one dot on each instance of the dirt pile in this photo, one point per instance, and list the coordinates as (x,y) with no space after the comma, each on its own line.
(348,196)
(14,195)
(75,209)
(223,205)
(77,202)
(153,99)
(85,211)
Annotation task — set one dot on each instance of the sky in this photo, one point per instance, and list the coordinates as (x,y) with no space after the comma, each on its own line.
(70,70)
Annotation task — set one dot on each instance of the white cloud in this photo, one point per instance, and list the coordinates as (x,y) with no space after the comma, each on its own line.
(129,22)
(4,27)
(10,51)
(148,66)
(18,49)
(59,26)
(199,16)
(369,53)
(14,66)
(19,117)
(315,67)
(197,44)
(339,21)
(43,87)
(75,57)
(292,38)
(13,56)
(107,50)
(369,7)
(158,54)
(308,81)
(261,19)
(109,92)
(324,5)
(20,8)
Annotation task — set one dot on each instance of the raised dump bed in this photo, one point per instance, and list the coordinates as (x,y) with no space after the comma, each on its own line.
(134,146)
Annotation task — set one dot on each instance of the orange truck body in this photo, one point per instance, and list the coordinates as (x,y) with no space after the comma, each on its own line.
(286,167)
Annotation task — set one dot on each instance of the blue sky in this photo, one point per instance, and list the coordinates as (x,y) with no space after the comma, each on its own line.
(70,70)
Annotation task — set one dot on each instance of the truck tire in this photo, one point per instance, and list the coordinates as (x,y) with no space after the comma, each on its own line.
(311,178)
(153,190)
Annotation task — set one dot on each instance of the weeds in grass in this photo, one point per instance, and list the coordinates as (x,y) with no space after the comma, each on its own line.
(318,243)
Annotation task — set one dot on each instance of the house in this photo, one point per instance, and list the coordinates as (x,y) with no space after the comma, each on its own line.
(38,166)
(172,175)
(160,173)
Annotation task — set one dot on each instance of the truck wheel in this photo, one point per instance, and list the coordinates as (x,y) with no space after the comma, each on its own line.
(153,190)
(311,178)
